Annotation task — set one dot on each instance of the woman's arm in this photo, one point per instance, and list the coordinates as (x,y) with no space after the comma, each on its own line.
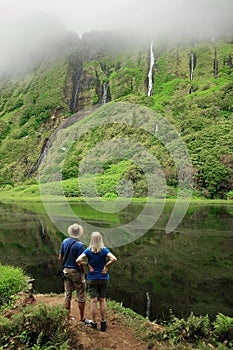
(81,263)
(80,259)
(111,260)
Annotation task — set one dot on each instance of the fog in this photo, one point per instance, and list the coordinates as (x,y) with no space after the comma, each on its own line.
(29,29)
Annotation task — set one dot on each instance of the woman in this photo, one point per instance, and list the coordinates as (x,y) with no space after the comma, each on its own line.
(99,259)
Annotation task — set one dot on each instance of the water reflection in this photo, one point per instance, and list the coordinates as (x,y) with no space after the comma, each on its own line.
(187,270)
(29,240)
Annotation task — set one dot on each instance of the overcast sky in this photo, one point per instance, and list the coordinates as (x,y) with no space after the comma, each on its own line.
(26,24)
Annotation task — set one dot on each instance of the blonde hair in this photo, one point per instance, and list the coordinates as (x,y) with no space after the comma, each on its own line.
(96,243)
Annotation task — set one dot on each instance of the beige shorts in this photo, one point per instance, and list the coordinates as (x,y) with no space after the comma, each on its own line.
(74,280)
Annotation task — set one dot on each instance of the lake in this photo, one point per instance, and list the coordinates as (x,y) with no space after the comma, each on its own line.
(187,270)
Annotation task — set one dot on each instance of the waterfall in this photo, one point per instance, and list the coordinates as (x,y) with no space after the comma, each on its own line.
(191,90)
(76,83)
(229,61)
(105,93)
(148,304)
(215,64)
(48,142)
(43,153)
(192,64)
(150,73)
(42,229)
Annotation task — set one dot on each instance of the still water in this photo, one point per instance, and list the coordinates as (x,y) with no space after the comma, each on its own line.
(187,270)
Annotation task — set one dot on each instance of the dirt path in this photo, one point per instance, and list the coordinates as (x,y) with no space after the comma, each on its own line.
(117,336)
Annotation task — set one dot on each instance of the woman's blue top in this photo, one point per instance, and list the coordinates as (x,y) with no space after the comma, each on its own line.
(97,262)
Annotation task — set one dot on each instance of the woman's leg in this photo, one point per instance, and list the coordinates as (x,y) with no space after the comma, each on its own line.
(94,309)
(103,308)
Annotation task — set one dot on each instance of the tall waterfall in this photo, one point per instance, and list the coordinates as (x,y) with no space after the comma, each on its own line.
(76,82)
(192,64)
(148,304)
(105,92)
(215,64)
(150,73)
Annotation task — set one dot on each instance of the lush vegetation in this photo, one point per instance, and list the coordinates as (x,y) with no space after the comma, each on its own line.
(193,332)
(200,110)
(45,327)
(35,327)
(12,281)
(29,326)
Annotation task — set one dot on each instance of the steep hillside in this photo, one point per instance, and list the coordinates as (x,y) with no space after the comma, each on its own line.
(192,88)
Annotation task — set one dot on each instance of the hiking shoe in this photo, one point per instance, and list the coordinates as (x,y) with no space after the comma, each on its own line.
(91,324)
(85,321)
(103,326)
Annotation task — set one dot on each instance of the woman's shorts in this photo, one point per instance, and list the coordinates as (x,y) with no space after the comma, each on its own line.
(97,288)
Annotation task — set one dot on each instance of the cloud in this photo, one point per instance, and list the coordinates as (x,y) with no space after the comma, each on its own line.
(28,28)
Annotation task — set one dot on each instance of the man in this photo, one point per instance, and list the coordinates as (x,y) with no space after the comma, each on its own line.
(70,250)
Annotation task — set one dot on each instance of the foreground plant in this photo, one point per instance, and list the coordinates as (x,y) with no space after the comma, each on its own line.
(13,280)
(35,327)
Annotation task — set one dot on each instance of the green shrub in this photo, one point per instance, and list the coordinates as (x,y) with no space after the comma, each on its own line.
(110,195)
(230,195)
(12,281)
(223,328)
(36,326)
(190,330)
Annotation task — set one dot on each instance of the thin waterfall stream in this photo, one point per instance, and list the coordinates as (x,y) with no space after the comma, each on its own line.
(192,64)
(105,92)
(150,73)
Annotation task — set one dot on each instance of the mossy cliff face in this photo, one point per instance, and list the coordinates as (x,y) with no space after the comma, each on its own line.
(105,67)
(102,61)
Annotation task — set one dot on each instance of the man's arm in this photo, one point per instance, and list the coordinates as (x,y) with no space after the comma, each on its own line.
(60,258)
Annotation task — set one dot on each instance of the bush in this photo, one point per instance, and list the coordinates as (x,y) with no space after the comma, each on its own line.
(198,328)
(223,328)
(230,195)
(37,326)
(12,282)
(190,330)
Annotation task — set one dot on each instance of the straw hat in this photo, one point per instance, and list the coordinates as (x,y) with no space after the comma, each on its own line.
(75,231)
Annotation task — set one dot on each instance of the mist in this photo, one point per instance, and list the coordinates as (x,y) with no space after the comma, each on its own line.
(29,30)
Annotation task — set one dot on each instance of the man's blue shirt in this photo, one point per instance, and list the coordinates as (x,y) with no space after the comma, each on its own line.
(76,250)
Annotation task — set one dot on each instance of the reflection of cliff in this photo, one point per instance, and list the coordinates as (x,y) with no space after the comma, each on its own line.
(28,240)
(186,271)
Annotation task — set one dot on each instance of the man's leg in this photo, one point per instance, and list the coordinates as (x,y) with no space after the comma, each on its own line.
(80,288)
(68,287)
(81,306)
(67,305)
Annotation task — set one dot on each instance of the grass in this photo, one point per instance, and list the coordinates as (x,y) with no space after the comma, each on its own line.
(31,193)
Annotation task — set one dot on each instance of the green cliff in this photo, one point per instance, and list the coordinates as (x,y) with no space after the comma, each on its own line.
(104,67)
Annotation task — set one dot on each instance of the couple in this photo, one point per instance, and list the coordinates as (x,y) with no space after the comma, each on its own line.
(73,255)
